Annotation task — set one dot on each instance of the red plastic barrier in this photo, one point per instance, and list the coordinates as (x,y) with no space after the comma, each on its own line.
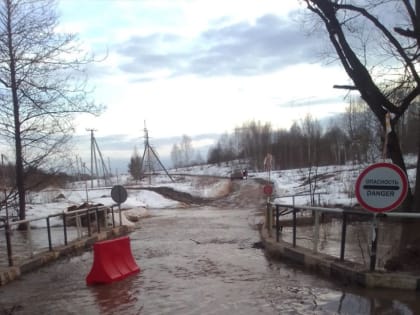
(112,261)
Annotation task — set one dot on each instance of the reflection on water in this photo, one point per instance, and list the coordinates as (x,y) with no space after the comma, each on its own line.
(350,303)
(27,243)
(119,297)
(358,240)
(197,261)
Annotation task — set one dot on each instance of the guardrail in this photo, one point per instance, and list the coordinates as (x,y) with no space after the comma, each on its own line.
(314,198)
(61,235)
(276,210)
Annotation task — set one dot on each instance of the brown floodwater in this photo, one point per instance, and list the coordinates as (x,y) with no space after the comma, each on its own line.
(197,261)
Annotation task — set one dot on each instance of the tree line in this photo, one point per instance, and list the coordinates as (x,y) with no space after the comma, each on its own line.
(354,136)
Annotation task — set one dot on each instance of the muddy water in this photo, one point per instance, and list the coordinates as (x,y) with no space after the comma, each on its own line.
(196,261)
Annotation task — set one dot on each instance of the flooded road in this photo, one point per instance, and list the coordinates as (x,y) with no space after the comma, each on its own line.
(196,261)
(199,260)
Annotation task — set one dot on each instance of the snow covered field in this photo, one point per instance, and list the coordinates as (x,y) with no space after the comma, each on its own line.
(335,182)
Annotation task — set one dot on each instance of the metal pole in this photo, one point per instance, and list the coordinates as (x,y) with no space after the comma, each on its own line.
(49,234)
(28,225)
(6,206)
(316,232)
(77,218)
(65,228)
(113,219)
(374,243)
(91,158)
(105,212)
(9,244)
(343,236)
(88,222)
(277,224)
(268,213)
(269,218)
(98,225)
(87,194)
(294,227)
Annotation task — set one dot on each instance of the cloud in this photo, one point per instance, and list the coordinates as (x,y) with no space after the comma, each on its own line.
(311,101)
(245,48)
(120,140)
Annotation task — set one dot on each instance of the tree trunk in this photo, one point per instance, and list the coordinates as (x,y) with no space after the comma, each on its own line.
(394,151)
(417,187)
(20,184)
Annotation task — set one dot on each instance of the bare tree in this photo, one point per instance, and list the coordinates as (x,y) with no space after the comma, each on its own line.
(186,149)
(335,143)
(256,139)
(380,53)
(134,167)
(297,146)
(176,156)
(215,155)
(42,84)
(182,154)
(363,129)
(312,131)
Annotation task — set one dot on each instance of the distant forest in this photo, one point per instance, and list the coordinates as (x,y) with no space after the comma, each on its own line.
(354,136)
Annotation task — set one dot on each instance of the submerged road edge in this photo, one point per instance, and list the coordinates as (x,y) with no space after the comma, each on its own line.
(344,271)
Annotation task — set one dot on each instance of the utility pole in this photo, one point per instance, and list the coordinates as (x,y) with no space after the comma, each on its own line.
(94,148)
(148,154)
(92,156)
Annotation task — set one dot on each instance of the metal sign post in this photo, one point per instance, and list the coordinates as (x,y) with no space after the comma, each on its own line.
(119,195)
(380,187)
(374,242)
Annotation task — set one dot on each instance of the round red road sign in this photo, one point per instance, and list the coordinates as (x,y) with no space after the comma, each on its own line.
(268,190)
(381,187)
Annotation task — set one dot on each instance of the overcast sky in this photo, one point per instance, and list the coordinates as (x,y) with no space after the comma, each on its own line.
(196,67)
